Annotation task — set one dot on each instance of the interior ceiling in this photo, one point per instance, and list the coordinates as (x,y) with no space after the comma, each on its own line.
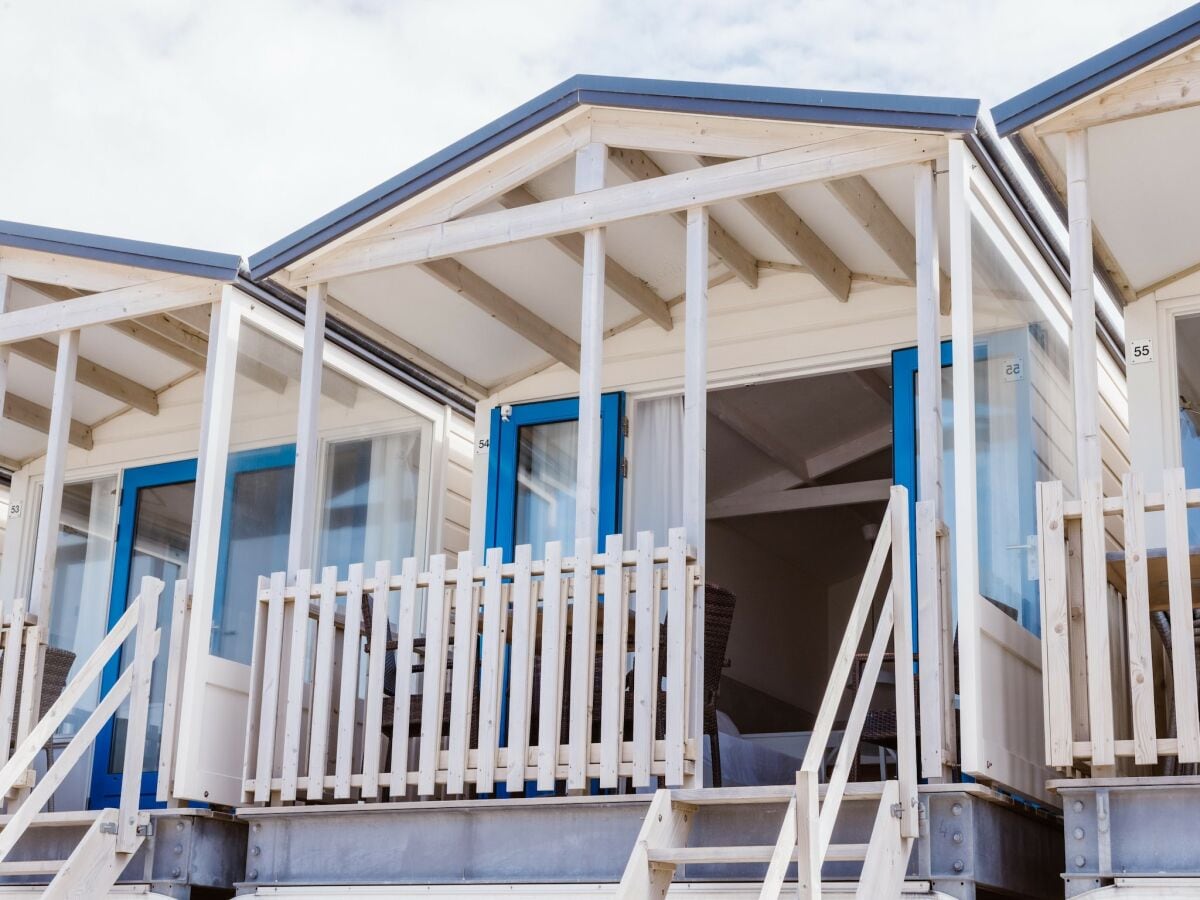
(811,416)
(541,277)
(1145,193)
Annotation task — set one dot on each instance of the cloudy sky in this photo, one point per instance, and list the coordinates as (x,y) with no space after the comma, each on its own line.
(225,124)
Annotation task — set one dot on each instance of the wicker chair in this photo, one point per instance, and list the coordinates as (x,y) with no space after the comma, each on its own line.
(55,669)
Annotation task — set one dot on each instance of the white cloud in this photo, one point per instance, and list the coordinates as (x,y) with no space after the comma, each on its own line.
(226,124)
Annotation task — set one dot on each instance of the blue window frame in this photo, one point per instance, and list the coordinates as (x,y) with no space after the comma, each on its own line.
(270,550)
(503,463)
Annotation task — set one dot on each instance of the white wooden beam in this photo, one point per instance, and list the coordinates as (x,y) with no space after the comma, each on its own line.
(751,430)
(104,308)
(884,227)
(929,338)
(504,309)
(72,272)
(308,431)
(40,418)
(834,158)
(802,243)
(155,341)
(637,165)
(1170,85)
(620,280)
(46,547)
(1084,371)
(6,287)
(591,161)
(851,450)
(93,375)
(816,497)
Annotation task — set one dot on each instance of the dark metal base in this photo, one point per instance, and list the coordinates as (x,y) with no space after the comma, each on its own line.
(190,851)
(973,841)
(1129,827)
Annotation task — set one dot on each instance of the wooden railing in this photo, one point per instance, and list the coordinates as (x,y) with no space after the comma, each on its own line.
(514,651)
(1084,693)
(27,795)
(809,821)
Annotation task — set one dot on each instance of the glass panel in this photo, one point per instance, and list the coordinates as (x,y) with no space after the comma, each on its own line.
(545,507)
(162,526)
(369,504)
(82,573)
(1024,426)
(1187,364)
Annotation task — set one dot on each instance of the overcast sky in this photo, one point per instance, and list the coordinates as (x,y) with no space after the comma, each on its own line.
(225,124)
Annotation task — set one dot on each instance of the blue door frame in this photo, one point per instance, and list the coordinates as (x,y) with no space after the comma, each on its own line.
(106,787)
(502,464)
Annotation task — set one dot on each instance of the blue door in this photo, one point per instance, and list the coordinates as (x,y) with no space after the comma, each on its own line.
(531,473)
(153,536)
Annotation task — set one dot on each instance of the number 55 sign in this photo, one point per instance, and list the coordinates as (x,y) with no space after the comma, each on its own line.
(1140,351)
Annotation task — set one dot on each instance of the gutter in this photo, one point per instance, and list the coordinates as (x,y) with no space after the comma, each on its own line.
(987,150)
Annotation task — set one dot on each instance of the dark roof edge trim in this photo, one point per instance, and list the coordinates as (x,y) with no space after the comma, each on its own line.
(819,107)
(1097,72)
(291,305)
(985,147)
(122,251)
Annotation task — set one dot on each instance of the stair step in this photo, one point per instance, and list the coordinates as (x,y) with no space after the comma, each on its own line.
(31,866)
(772,793)
(749,853)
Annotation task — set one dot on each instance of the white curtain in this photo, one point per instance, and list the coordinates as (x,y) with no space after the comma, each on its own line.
(656,470)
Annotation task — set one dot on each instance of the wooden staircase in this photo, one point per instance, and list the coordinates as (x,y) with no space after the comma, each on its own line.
(114,835)
(805,836)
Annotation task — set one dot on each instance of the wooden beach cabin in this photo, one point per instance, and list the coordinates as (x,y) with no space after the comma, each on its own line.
(655,437)
(1111,138)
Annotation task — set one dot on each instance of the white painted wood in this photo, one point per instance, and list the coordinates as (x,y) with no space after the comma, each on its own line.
(1183,643)
(117,305)
(645,665)
(1137,622)
(612,699)
(1096,626)
(406,630)
(816,497)
(906,716)
(14,633)
(258,652)
(90,374)
(887,854)
(268,709)
(491,675)
(1084,376)
(583,653)
(466,640)
(6,288)
(301,536)
(782,854)
(851,154)
(46,548)
(145,650)
(808,837)
(295,624)
(523,643)
(37,418)
(96,862)
(966,538)
(437,626)
(553,656)
(176,661)
(348,693)
(929,636)
(678,700)
(667,824)
(1056,651)
(377,657)
(590,164)
(322,687)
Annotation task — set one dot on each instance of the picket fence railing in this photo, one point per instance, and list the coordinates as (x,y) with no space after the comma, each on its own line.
(515,651)
(1084,692)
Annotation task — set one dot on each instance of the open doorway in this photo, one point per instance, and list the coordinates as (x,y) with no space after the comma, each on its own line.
(798,478)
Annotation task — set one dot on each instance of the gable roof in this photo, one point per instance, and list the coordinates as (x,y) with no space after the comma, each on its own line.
(102,248)
(1099,71)
(787,104)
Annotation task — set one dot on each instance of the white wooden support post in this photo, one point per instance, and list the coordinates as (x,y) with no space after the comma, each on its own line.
(590,162)
(929,421)
(1084,373)
(695,452)
(216,421)
(46,548)
(304,485)
(6,284)
(966,538)
(145,649)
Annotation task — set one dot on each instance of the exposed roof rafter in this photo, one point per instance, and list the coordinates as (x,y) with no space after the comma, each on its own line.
(34,415)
